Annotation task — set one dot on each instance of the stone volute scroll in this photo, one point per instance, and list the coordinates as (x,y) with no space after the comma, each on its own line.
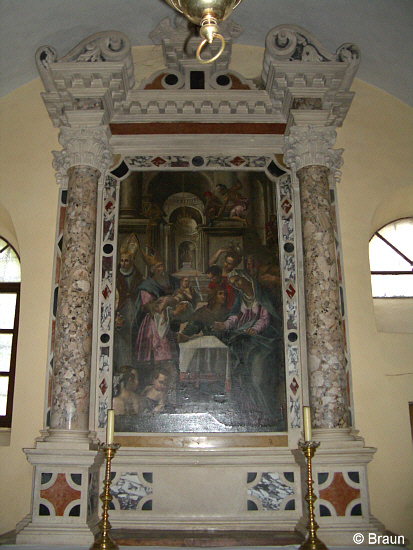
(84,158)
(72,86)
(297,68)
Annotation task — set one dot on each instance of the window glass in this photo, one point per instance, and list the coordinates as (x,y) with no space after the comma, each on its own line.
(9,316)
(5,351)
(391,254)
(4,385)
(8,309)
(9,263)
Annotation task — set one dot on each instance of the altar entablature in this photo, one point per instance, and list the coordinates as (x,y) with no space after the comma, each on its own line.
(298,68)
(298,74)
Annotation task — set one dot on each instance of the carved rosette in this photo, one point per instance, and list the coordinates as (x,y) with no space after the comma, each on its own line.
(82,147)
(308,152)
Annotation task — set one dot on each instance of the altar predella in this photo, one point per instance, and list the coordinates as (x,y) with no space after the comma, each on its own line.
(199,291)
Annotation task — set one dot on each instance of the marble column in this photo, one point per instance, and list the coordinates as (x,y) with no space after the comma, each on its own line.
(83,160)
(308,152)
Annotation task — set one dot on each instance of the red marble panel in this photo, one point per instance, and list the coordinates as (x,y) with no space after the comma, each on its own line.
(339,494)
(60,494)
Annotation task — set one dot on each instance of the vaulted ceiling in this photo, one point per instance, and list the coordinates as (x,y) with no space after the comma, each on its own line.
(381,28)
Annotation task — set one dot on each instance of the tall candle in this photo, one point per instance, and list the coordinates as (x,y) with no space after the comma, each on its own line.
(110,426)
(307,423)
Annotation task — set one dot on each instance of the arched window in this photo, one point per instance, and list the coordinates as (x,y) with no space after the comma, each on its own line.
(9,323)
(391,260)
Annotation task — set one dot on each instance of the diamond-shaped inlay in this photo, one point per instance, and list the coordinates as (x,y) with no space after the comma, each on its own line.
(106,292)
(237,161)
(286,206)
(109,206)
(158,161)
(294,386)
(103,386)
(290,290)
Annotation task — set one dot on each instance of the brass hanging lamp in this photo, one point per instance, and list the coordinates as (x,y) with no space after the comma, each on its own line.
(206,14)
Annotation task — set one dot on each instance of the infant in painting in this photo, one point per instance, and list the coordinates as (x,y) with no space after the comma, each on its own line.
(184,295)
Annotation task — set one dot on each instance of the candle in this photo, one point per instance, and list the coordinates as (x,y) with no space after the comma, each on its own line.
(307,423)
(110,426)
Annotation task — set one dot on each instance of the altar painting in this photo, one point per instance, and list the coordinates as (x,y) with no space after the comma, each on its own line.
(198,337)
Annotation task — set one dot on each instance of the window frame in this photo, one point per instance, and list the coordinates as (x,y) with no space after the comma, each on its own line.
(397,251)
(11,288)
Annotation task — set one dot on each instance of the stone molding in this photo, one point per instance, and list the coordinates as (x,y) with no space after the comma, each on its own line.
(180,42)
(297,65)
(97,77)
(82,147)
(312,145)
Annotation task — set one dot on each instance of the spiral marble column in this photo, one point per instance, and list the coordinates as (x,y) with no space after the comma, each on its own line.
(308,152)
(82,161)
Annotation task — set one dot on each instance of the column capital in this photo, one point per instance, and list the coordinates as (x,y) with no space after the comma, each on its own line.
(84,146)
(312,145)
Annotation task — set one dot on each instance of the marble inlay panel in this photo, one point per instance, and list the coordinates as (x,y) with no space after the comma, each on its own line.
(339,493)
(325,345)
(93,493)
(129,490)
(60,494)
(270,491)
(73,340)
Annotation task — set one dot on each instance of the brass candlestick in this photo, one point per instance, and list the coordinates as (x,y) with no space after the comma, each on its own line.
(104,541)
(312,542)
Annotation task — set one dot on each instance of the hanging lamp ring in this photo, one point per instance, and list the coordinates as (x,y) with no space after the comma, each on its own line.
(202,44)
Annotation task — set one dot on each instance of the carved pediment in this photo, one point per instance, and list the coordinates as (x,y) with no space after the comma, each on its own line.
(302,82)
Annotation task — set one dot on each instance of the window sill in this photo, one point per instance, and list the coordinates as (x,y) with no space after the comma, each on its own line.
(394,314)
(5,434)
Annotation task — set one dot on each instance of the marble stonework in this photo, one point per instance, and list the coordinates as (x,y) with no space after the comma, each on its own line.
(325,337)
(271,491)
(339,493)
(73,338)
(60,494)
(202,482)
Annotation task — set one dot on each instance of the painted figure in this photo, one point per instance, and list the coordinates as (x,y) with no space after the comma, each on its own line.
(253,331)
(126,399)
(154,396)
(156,342)
(128,279)
(219,281)
(201,321)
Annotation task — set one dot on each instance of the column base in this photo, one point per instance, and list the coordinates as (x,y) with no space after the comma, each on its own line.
(66,488)
(342,508)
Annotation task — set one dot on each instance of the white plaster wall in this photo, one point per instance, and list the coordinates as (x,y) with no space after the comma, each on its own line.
(28,198)
(376,187)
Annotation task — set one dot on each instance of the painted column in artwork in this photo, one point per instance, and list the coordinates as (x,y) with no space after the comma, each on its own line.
(83,160)
(308,152)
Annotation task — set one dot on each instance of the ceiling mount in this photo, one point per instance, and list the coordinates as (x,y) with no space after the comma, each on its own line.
(206,14)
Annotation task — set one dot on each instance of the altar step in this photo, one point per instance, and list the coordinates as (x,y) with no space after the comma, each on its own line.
(204,539)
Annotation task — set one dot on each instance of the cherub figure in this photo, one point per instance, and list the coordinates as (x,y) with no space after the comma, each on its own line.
(154,395)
